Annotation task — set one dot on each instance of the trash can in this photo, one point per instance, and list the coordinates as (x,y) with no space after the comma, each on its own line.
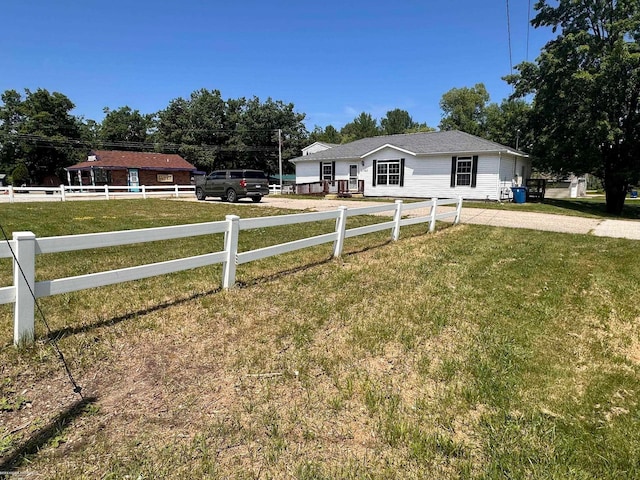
(634,194)
(519,194)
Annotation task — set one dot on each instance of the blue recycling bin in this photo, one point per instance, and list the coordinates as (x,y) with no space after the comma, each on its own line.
(519,194)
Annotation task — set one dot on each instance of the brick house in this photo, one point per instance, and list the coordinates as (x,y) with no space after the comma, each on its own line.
(133,169)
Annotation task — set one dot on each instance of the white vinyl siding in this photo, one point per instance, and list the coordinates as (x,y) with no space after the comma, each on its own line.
(425,176)
(430,176)
(307,172)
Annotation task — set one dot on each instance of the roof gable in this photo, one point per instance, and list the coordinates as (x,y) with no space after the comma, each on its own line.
(387,145)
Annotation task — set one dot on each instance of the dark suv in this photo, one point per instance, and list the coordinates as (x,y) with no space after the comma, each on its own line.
(230,185)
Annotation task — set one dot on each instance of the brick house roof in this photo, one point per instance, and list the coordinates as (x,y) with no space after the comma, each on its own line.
(120,160)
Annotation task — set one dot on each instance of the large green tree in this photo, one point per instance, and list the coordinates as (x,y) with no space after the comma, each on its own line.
(11,118)
(464,109)
(329,135)
(586,87)
(396,121)
(124,126)
(259,128)
(197,126)
(39,131)
(213,133)
(508,124)
(89,133)
(363,126)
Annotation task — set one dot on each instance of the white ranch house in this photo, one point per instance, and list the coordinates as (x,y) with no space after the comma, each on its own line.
(434,164)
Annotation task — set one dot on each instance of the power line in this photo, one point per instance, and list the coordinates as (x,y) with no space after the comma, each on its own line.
(509,35)
(77,143)
(528,28)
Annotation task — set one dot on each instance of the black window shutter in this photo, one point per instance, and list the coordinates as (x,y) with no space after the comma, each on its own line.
(474,171)
(375,172)
(453,171)
(320,171)
(333,173)
(402,172)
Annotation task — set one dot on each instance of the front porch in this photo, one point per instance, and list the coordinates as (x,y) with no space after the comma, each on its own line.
(325,187)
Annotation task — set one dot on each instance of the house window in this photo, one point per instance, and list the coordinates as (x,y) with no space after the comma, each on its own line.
(102,176)
(327,171)
(463,171)
(388,172)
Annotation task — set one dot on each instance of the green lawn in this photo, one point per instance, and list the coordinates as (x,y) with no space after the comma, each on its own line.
(474,352)
(592,207)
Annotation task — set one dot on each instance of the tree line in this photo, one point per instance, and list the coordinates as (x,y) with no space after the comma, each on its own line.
(576,109)
(39,136)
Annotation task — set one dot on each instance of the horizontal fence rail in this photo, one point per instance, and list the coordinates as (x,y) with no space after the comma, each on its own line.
(69,192)
(24,247)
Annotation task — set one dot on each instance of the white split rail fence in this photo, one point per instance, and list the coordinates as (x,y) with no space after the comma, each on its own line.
(66,192)
(107,192)
(24,247)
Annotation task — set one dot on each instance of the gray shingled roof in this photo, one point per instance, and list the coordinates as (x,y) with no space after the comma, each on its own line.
(428,143)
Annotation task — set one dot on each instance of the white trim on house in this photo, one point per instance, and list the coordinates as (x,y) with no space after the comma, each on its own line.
(388,145)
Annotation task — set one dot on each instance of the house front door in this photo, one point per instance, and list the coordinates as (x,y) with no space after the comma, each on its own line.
(353,178)
(134,180)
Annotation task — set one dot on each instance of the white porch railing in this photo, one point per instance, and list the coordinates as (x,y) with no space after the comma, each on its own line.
(67,192)
(25,246)
(274,189)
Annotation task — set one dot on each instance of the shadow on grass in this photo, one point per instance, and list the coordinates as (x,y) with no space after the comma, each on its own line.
(595,207)
(56,335)
(63,332)
(41,437)
(302,268)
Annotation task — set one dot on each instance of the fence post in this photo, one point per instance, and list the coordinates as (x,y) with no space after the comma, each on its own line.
(432,223)
(231,249)
(458,211)
(144,192)
(177,191)
(63,192)
(24,274)
(341,227)
(397,216)
(106,191)
(11,195)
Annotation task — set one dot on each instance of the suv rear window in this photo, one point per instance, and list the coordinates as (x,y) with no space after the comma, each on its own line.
(254,174)
(241,174)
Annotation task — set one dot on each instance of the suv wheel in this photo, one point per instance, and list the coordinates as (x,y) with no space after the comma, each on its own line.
(200,194)
(256,199)
(232,196)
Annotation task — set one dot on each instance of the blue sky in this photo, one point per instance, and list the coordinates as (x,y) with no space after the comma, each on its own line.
(331,59)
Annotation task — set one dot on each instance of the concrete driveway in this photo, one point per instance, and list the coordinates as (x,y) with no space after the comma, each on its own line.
(482,216)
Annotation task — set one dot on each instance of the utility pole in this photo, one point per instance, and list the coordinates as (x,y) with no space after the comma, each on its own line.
(280,156)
